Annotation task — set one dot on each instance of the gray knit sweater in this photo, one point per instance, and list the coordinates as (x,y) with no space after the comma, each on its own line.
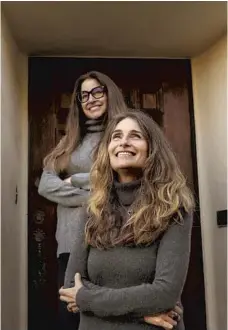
(71,197)
(123,284)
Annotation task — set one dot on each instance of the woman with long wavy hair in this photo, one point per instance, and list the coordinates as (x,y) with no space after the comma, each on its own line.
(132,248)
(65,178)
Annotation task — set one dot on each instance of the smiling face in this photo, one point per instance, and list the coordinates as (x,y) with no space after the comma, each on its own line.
(97,102)
(128,149)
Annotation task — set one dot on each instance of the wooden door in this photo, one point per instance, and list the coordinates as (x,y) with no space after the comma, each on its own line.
(162,88)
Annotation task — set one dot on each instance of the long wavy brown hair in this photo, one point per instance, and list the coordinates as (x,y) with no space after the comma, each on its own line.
(163,195)
(58,158)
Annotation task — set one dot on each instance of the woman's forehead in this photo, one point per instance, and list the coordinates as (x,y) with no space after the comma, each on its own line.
(89,83)
(128,124)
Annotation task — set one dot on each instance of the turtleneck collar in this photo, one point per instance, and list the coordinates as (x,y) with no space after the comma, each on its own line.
(127,192)
(95,125)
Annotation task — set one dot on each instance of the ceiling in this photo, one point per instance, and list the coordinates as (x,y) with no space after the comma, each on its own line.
(116,29)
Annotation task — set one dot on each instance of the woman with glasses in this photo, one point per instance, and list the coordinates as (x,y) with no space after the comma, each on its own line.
(65,178)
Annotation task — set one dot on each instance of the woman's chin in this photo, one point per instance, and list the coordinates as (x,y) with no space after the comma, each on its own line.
(128,167)
(124,166)
(95,114)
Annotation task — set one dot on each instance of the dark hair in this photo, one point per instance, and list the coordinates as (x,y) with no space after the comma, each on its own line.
(58,158)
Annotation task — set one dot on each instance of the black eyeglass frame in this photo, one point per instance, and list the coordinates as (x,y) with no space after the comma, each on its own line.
(91,92)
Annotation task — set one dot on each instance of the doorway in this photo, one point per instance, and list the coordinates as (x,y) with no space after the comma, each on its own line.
(161,88)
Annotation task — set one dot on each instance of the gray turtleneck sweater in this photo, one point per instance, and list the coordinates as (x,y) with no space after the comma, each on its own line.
(123,284)
(71,197)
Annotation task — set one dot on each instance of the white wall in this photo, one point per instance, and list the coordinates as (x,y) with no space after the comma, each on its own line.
(209,74)
(14,85)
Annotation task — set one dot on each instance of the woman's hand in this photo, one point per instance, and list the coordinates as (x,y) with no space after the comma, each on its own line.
(69,295)
(72,307)
(68,180)
(165,320)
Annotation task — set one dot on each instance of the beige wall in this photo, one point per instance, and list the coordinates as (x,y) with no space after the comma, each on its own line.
(14,125)
(209,73)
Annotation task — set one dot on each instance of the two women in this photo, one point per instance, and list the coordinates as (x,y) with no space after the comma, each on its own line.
(65,178)
(131,252)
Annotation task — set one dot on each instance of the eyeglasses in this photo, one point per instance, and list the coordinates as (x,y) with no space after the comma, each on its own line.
(96,92)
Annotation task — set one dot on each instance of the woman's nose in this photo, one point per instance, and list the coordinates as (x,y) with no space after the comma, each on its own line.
(91,98)
(124,141)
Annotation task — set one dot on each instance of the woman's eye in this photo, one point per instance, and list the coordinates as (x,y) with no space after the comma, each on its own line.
(135,135)
(115,136)
(84,96)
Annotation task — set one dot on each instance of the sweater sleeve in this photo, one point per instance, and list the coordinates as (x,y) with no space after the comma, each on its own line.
(78,258)
(61,192)
(81,180)
(147,299)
